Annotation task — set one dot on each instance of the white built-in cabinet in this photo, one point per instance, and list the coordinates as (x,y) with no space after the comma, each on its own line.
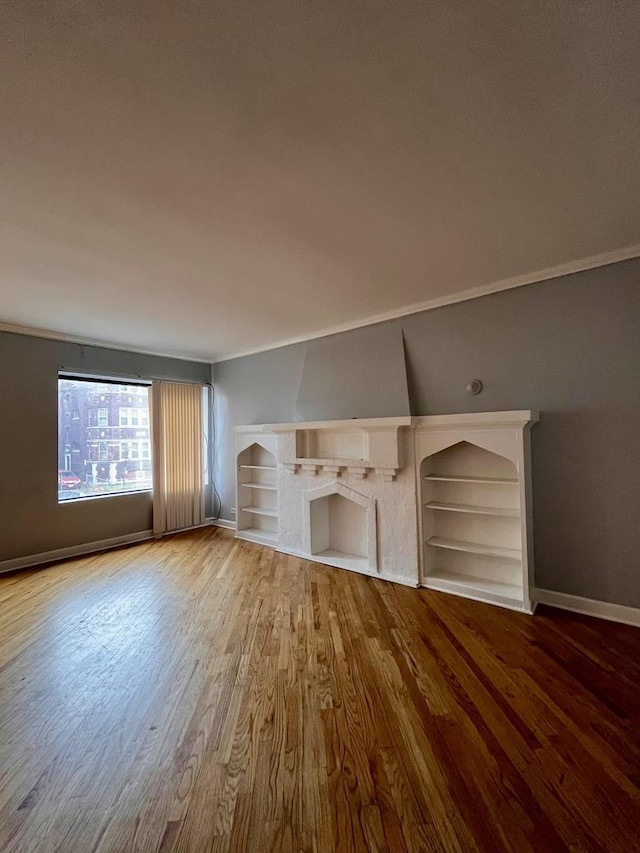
(474,486)
(256,486)
(442,501)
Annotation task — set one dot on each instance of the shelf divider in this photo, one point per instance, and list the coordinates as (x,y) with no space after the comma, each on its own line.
(454,478)
(259,510)
(446,581)
(513,554)
(265,486)
(505,512)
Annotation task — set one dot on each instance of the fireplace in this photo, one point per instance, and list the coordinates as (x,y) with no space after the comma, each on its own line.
(340,527)
(343,493)
(379,495)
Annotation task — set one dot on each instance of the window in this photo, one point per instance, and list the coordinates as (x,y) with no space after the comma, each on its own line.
(104,461)
(133,417)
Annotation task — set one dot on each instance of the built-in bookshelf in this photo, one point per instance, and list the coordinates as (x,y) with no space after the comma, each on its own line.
(340,493)
(473,490)
(257,491)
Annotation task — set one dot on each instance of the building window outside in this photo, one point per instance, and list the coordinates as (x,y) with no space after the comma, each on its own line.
(133,417)
(105,461)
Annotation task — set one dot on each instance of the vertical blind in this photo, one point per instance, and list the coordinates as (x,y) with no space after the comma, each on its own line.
(178,459)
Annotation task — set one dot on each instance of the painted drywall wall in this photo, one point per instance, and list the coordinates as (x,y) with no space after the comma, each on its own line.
(569,348)
(31,520)
(360,374)
(354,375)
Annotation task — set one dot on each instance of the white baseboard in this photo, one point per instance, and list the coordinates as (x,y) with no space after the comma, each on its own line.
(589,606)
(383,576)
(73,551)
(223,522)
(405,581)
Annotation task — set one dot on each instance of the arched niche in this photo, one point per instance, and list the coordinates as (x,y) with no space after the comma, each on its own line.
(340,527)
(471,518)
(257,493)
(466,458)
(470,493)
(257,455)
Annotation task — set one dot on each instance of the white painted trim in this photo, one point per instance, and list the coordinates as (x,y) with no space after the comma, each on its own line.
(404,580)
(592,262)
(339,426)
(589,606)
(206,523)
(482,598)
(383,576)
(74,551)
(477,420)
(223,522)
(34,332)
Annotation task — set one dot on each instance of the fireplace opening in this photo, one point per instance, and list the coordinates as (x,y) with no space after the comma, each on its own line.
(339,528)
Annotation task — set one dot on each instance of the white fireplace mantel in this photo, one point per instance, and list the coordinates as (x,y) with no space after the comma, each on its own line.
(358,446)
(442,501)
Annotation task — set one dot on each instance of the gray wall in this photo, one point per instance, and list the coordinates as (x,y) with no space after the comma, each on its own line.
(568,347)
(31,520)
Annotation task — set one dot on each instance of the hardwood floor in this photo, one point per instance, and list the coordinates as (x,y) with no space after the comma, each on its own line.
(201,694)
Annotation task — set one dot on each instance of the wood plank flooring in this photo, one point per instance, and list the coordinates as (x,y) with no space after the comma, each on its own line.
(204,694)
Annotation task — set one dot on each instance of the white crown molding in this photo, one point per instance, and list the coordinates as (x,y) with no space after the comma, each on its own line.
(593,262)
(34,332)
(582,265)
(589,606)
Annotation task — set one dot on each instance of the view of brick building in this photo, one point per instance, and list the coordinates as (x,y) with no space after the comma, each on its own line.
(103,436)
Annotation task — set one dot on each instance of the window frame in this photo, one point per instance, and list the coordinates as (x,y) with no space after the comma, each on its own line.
(102,436)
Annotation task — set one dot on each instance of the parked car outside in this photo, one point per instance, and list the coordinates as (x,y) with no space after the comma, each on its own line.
(68,480)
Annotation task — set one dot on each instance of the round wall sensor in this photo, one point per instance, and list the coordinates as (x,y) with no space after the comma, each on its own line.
(474,387)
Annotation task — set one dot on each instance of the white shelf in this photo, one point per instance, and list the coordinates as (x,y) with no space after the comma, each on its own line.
(474,587)
(259,510)
(475,548)
(505,512)
(259,486)
(256,510)
(351,462)
(256,534)
(450,478)
(342,560)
